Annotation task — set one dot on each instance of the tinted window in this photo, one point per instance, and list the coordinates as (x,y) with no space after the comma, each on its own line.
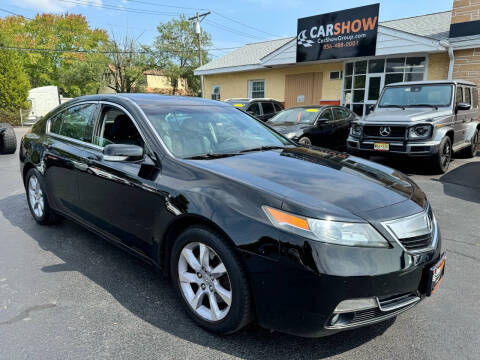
(467,95)
(346,113)
(198,130)
(76,122)
(268,108)
(475,97)
(338,114)
(277,107)
(254,109)
(459,97)
(327,114)
(117,128)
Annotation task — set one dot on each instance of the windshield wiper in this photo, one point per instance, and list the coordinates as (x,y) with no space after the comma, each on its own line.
(394,106)
(210,156)
(262,148)
(423,105)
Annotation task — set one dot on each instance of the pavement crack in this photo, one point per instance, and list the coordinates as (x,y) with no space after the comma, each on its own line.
(462,254)
(26,313)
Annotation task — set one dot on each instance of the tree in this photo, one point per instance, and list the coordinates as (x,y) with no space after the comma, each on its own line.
(176,48)
(14,83)
(67,60)
(127,62)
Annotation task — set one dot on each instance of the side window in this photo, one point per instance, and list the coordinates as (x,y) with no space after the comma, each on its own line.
(268,108)
(327,114)
(338,114)
(75,122)
(278,107)
(467,96)
(459,97)
(346,113)
(216,92)
(254,109)
(475,98)
(117,128)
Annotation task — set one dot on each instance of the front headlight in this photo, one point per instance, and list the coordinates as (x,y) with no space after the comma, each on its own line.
(420,132)
(356,130)
(327,231)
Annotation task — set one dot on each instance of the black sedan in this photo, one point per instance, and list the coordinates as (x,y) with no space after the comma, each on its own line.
(326,126)
(248,225)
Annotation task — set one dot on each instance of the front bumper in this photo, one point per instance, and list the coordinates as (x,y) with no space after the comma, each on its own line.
(298,291)
(409,148)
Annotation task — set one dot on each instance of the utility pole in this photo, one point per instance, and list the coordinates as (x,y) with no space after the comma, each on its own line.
(198,31)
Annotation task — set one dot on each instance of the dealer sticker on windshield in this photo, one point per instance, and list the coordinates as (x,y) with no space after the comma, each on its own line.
(312,110)
(381,146)
(238,105)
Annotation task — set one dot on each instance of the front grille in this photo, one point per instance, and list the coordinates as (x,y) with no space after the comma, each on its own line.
(373,131)
(416,242)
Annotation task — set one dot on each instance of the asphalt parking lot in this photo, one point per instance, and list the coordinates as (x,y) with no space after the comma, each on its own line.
(65,293)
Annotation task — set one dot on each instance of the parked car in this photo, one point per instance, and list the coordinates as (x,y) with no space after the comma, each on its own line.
(326,126)
(249,225)
(260,108)
(428,119)
(8,140)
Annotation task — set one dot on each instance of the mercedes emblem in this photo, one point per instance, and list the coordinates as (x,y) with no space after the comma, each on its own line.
(385,130)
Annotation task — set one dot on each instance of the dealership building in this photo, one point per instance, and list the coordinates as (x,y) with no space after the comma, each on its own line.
(342,70)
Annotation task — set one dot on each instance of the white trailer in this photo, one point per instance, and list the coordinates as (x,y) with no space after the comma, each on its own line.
(43,100)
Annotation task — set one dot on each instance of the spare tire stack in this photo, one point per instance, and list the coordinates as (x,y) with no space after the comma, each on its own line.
(8,140)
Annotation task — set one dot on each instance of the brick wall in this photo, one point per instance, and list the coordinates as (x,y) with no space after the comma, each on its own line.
(467,65)
(465,10)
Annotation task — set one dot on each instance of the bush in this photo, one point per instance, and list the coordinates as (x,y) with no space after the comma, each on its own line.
(9,117)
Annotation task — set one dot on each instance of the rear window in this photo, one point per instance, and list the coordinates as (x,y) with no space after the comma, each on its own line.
(268,108)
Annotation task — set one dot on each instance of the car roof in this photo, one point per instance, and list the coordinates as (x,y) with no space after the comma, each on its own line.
(247,100)
(433,82)
(141,99)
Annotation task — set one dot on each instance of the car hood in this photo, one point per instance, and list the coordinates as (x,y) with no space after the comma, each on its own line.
(320,182)
(407,115)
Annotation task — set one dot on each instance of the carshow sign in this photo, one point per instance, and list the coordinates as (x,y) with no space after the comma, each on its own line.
(337,35)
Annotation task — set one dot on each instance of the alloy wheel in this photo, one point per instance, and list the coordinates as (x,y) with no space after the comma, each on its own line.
(204,281)
(35,196)
(446,155)
(305,141)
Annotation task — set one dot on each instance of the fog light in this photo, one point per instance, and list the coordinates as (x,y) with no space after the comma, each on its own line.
(355,305)
(334,319)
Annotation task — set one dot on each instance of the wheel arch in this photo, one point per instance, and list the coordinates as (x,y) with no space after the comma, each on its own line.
(176,227)
(26,169)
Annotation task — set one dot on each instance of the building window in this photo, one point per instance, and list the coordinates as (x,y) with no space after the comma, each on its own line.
(256,89)
(363,80)
(216,92)
(336,75)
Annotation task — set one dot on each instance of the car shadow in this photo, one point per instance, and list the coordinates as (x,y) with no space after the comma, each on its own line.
(463,182)
(143,292)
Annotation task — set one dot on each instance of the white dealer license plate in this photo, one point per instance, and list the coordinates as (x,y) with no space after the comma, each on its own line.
(381,146)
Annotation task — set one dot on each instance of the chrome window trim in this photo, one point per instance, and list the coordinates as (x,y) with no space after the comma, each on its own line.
(62,137)
(434,232)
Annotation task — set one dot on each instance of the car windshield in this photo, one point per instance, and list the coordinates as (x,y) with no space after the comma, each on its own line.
(193,131)
(295,116)
(416,95)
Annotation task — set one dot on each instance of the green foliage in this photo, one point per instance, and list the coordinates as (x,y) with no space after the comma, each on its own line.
(176,51)
(74,73)
(14,83)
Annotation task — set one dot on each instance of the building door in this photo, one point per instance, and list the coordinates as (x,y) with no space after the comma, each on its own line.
(373,86)
(303,89)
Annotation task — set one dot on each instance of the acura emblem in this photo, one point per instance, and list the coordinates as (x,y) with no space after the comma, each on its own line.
(385,130)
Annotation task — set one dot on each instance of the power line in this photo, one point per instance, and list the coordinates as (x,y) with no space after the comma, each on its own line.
(233,31)
(12,13)
(165,5)
(80,51)
(243,24)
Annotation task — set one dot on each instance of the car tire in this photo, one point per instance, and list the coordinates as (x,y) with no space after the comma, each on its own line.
(442,159)
(471,150)
(305,140)
(191,278)
(8,141)
(37,199)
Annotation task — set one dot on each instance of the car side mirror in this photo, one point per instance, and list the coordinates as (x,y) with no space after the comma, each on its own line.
(122,152)
(463,106)
(371,107)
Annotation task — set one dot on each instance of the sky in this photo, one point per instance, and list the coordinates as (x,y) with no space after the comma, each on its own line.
(231,23)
